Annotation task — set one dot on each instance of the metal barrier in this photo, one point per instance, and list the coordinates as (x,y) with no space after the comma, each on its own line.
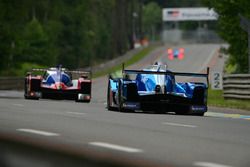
(236,86)
(11,83)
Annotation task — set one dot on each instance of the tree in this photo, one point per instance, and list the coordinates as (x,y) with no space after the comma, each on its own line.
(152,18)
(229,29)
(73,33)
(175,3)
(34,45)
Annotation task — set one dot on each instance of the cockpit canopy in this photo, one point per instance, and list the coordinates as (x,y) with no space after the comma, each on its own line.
(156,67)
(149,82)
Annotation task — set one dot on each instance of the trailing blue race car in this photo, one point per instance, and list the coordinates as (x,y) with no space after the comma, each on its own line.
(58,83)
(155,89)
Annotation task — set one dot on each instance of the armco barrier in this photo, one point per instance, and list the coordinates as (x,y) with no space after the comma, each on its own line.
(11,83)
(236,86)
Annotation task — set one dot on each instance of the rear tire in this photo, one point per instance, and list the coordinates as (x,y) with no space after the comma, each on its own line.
(120,96)
(199,114)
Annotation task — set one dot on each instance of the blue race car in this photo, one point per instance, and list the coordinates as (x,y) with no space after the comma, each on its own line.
(175,53)
(58,83)
(155,89)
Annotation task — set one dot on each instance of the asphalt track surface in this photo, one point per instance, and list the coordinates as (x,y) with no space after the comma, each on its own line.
(215,140)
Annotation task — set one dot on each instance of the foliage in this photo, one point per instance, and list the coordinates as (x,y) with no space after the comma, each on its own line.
(175,3)
(73,33)
(34,43)
(116,70)
(231,32)
(21,70)
(152,18)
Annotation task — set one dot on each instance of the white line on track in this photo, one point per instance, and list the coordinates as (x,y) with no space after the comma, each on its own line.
(181,125)
(76,113)
(209,164)
(18,105)
(38,132)
(116,147)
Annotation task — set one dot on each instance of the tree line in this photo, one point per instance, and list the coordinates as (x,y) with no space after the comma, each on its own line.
(75,33)
(80,33)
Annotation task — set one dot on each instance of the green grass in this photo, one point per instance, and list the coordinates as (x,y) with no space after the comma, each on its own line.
(215,98)
(137,57)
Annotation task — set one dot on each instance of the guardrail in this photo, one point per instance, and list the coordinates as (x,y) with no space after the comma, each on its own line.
(11,83)
(236,86)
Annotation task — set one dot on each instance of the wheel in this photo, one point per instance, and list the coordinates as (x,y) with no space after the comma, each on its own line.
(199,114)
(31,98)
(120,96)
(25,89)
(82,101)
(86,101)
(108,96)
(160,111)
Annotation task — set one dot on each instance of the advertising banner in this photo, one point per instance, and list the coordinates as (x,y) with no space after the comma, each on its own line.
(189,14)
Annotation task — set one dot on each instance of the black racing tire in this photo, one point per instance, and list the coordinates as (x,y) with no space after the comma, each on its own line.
(82,101)
(121,109)
(181,112)
(27,98)
(31,98)
(25,89)
(108,96)
(160,111)
(199,114)
(86,101)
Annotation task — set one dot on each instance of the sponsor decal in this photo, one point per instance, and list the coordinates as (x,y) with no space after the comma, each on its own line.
(131,105)
(198,108)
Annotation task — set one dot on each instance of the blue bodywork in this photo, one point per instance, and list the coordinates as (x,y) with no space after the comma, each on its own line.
(176,53)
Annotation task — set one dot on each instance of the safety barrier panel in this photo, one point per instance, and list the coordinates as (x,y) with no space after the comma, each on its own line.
(236,86)
(11,83)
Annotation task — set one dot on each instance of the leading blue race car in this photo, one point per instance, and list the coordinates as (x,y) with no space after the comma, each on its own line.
(155,89)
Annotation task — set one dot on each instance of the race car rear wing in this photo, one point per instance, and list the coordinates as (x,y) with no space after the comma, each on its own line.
(84,74)
(205,75)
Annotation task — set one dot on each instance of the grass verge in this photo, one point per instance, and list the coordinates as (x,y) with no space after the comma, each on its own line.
(137,57)
(215,98)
